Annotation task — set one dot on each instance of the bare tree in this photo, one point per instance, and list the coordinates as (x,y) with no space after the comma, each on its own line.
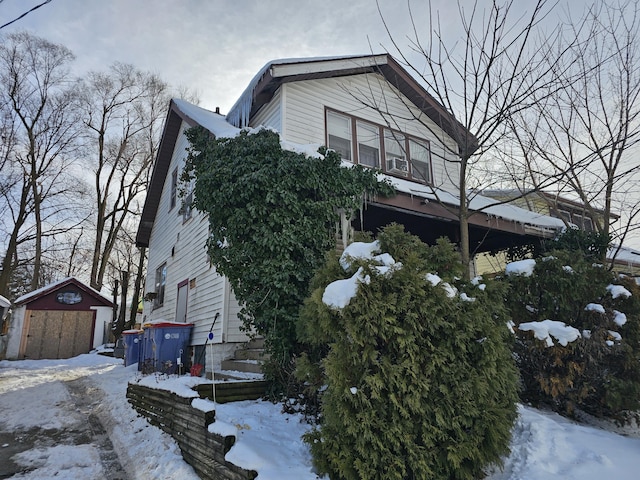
(498,68)
(588,133)
(122,111)
(34,81)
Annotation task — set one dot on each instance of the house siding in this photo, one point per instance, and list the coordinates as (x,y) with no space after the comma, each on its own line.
(303,106)
(270,115)
(182,246)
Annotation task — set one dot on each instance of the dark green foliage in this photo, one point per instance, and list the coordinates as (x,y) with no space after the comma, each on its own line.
(434,384)
(272,215)
(589,373)
(593,245)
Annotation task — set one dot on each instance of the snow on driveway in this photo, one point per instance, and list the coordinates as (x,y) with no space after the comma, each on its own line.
(70,419)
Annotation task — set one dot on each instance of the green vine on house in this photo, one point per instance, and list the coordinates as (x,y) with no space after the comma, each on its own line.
(272,217)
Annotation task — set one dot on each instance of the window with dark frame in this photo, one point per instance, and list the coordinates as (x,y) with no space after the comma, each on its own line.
(583,222)
(161,281)
(339,134)
(368,136)
(375,146)
(174,188)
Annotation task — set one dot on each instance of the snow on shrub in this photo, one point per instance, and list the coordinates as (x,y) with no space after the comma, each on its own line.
(521,267)
(419,384)
(618,291)
(588,357)
(546,329)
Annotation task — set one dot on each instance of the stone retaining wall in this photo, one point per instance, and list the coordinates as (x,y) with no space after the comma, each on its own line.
(203,450)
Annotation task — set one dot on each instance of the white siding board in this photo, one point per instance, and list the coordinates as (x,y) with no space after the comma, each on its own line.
(270,115)
(182,245)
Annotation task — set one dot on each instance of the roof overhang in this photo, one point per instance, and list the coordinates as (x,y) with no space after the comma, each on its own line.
(31,296)
(264,85)
(431,220)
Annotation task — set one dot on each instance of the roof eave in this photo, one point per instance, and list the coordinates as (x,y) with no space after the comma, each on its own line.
(385,65)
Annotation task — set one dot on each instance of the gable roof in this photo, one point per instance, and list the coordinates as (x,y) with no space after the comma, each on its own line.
(261,90)
(47,289)
(179,111)
(267,81)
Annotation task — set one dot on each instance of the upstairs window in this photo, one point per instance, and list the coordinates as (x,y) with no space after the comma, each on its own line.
(420,161)
(394,153)
(583,222)
(375,146)
(368,144)
(187,206)
(339,134)
(174,188)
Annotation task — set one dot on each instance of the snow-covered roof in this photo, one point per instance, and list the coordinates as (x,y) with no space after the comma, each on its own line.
(487,205)
(52,286)
(214,122)
(624,255)
(239,113)
(4,303)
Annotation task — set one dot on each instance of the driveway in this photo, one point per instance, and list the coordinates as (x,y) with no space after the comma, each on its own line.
(50,426)
(70,419)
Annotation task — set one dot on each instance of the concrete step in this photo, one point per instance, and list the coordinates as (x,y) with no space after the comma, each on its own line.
(254,366)
(250,354)
(257,343)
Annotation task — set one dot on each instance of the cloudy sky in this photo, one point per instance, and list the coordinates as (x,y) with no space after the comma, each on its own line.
(216,46)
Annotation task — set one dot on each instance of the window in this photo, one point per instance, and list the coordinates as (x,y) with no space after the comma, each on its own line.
(374,146)
(368,144)
(583,222)
(174,188)
(339,134)
(394,152)
(420,161)
(187,207)
(161,281)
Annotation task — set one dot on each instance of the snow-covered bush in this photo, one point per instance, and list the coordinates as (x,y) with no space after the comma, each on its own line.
(419,381)
(577,334)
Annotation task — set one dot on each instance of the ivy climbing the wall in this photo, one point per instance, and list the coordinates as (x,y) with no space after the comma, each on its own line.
(272,216)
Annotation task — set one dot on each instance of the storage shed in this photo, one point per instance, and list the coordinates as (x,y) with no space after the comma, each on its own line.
(61,320)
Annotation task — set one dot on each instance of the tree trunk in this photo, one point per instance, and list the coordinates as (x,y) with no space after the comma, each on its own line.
(136,289)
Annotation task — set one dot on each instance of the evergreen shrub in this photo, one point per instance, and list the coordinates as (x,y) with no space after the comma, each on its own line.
(599,371)
(418,378)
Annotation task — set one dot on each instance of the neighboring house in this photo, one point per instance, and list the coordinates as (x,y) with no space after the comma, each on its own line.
(314,102)
(625,260)
(554,205)
(61,320)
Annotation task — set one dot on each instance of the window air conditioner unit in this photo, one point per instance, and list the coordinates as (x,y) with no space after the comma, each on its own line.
(397,165)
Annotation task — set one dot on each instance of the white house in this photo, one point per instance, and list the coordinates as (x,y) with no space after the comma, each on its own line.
(370,110)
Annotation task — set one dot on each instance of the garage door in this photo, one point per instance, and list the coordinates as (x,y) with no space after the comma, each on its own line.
(58,334)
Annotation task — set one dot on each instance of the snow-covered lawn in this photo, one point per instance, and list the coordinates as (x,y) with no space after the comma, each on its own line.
(34,395)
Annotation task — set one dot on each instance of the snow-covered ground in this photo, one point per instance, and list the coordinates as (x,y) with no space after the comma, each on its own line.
(42,397)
